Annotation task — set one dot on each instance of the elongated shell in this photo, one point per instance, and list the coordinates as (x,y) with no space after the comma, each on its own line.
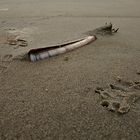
(39,55)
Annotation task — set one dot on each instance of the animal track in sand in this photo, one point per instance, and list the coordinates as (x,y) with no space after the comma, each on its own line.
(15,37)
(5,62)
(119,97)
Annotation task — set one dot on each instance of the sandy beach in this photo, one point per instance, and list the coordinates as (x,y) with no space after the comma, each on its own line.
(56,99)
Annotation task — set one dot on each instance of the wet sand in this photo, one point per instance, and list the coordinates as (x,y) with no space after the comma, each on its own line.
(55,98)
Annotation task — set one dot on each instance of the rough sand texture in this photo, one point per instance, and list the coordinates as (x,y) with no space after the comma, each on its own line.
(55,99)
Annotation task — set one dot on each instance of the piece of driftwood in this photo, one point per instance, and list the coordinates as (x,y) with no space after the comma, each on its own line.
(43,53)
(107,29)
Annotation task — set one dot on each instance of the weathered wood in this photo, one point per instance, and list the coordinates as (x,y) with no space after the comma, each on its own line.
(103,30)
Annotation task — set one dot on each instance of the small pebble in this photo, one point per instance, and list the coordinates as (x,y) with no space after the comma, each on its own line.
(46,89)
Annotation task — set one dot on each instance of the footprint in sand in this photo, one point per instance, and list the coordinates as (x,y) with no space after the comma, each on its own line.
(119,97)
(5,62)
(7,58)
(2,68)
